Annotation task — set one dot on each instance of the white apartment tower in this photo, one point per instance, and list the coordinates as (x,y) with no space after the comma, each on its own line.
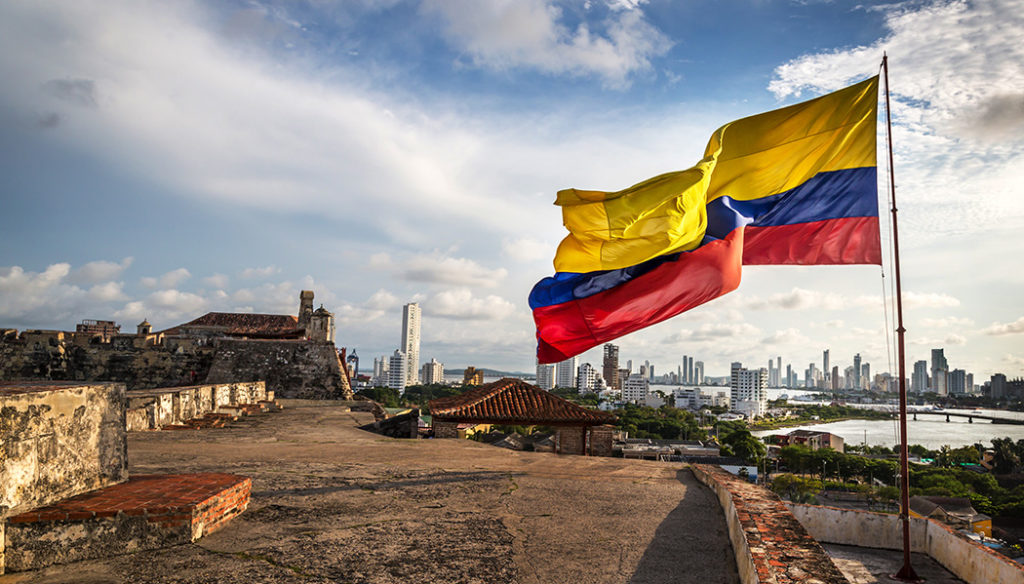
(411,341)
(396,371)
(565,373)
(546,376)
(634,388)
(748,395)
(586,380)
(432,372)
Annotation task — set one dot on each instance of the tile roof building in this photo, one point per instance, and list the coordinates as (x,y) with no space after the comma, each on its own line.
(515,402)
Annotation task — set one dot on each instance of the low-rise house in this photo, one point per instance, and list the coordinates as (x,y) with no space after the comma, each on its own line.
(954,511)
(811,439)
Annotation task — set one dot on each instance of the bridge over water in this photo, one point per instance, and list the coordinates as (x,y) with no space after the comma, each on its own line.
(969,415)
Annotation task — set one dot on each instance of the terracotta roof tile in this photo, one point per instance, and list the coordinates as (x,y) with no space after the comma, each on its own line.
(513,401)
(237,323)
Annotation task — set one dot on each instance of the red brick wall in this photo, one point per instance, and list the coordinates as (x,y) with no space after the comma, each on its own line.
(601,440)
(571,440)
(445,429)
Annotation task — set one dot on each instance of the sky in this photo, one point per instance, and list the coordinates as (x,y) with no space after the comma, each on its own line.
(159,160)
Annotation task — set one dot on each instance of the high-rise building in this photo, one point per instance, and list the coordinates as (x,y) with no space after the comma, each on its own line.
(411,341)
(565,372)
(778,371)
(634,388)
(396,370)
(865,376)
(790,382)
(698,372)
(432,372)
(610,367)
(825,369)
(748,395)
(586,379)
(957,382)
(771,373)
(689,370)
(835,377)
(997,386)
(940,368)
(684,376)
(546,375)
(856,371)
(811,376)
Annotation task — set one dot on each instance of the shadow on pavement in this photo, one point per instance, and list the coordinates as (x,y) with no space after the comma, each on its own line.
(691,544)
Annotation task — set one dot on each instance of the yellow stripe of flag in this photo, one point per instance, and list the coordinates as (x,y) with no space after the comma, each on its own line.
(746,159)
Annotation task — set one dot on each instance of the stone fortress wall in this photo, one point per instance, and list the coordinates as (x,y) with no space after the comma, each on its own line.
(297,362)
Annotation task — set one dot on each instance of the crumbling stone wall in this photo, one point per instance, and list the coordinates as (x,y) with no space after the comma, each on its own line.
(291,369)
(444,429)
(57,441)
(138,367)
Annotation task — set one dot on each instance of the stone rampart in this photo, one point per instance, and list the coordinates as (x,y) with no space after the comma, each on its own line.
(59,440)
(57,356)
(152,409)
(291,369)
(968,559)
(769,543)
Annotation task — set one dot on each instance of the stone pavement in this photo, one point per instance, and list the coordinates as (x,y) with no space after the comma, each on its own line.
(331,503)
(870,566)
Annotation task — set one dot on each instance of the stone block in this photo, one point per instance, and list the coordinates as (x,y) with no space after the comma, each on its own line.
(147,512)
(59,440)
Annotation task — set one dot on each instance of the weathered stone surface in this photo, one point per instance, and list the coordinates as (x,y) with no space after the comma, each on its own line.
(51,356)
(152,409)
(331,503)
(291,369)
(59,441)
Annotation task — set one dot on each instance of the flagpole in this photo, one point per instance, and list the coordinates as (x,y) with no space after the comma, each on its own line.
(906,573)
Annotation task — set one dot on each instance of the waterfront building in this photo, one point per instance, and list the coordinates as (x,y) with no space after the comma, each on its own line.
(634,388)
(919,379)
(939,370)
(432,372)
(747,386)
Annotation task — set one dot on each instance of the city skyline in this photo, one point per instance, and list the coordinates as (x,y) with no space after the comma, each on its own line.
(166,160)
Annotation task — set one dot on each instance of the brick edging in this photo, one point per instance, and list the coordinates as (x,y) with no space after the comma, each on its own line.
(769,543)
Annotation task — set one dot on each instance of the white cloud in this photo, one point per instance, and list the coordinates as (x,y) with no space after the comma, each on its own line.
(929,300)
(109,292)
(802,299)
(503,34)
(99,271)
(169,280)
(263,272)
(461,304)
(789,336)
(1011,328)
(713,332)
(217,281)
(525,249)
(437,268)
(950,321)
(957,74)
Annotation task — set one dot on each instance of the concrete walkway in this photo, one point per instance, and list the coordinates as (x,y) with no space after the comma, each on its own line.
(331,503)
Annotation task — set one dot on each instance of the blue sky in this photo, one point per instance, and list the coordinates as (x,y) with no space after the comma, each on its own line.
(164,159)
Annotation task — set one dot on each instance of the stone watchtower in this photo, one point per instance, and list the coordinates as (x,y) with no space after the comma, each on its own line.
(321,325)
(305,308)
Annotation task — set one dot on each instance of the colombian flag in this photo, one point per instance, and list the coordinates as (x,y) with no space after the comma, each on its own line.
(796,185)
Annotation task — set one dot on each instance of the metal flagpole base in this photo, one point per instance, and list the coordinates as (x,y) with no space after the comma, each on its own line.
(906,574)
